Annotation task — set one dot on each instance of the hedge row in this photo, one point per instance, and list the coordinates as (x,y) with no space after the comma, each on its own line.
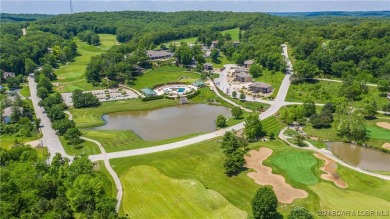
(196,93)
(152,98)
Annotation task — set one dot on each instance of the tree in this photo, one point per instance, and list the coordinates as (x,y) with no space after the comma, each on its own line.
(183,54)
(328,107)
(30,65)
(386,108)
(271,135)
(221,121)
(305,69)
(231,143)
(255,70)
(227,36)
(234,94)
(242,96)
(45,82)
(56,112)
(309,108)
(236,112)
(73,136)
(234,162)
(16,114)
(384,86)
(61,126)
(253,127)
(299,138)
(42,92)
(13,82)
(214,55)
(265,203)
(369,109)
(299,212)
(81,99)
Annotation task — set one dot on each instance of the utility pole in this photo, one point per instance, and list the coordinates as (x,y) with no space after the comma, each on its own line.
(71,6)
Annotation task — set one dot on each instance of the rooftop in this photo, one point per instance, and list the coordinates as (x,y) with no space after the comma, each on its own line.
(243,75)
(248,62)
(261,84)
(156,54)
(148,91)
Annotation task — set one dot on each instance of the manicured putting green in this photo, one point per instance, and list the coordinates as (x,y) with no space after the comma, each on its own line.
(297,165)
(154,195)
(333,198)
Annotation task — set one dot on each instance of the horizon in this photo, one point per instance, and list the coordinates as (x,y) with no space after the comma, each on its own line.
(56,7)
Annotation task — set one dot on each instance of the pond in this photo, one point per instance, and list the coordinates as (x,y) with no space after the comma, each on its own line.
(365,158)
(165,123)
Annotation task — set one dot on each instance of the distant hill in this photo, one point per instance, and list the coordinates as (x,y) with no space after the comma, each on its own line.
(22,17)
(334,13)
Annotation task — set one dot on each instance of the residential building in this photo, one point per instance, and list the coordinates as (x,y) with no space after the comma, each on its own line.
(240,69)
(236,43)
(260,87)
(248,63)
(153,55)
(199,83)
(208,67)
(243,77)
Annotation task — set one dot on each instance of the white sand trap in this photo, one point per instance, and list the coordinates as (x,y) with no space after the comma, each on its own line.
(330,168)
(264,176)
(386,145)
(385,125)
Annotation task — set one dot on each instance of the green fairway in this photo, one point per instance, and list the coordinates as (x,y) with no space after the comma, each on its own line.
(333,198)
(86,147)
(165,74)
(90,117)
(272,124)
(154,195)
(25,91)
(71,76)
(378,132)
(233,32)
(297,165)
(119,140)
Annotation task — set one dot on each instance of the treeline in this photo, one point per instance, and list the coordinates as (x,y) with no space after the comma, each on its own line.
(5,17)
(23,54)
(31,188)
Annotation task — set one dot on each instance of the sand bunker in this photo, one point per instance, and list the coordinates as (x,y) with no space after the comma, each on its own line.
(385,125)
(330,168)
(264,176)
(386,145)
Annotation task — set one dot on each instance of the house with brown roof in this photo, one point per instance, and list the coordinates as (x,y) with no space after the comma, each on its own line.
(153,55)
(242,77)
(208,67)
(248,63)
(260,87)
(240,69)
(236,43)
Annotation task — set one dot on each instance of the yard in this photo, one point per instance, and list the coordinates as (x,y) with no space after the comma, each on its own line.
(273,79)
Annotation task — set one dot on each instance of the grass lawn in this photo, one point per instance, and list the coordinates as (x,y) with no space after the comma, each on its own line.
(154,195)
(72,74)
(108,182)
(119,140)
(317,144)
(378,132)
(164,74)
(274,79)
(272,124)
(185,40)
(25,91)
(90,117)
(222,60)
(6,141)
(297,165)
(333,198)
(233,32)
(86,147)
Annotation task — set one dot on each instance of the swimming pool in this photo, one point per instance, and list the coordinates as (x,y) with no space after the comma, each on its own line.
(181,89)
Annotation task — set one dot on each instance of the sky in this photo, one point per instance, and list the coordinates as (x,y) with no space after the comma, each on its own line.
(62,6)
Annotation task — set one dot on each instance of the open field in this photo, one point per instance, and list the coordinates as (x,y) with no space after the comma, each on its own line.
(233,32)
(72,74)
(119,140)
(221,61)
(90,117)
(325,91)
(298,166)
(6,141)
(86,147)
(274,79)
(164,74)
(155,195)
(333,198)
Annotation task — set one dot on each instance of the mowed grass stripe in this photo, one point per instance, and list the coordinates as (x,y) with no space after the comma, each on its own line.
(378,132)
(154,195)
(333,198)
(272,124)
(297,165)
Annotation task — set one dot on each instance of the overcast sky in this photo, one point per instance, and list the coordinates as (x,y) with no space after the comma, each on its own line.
(62,6)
